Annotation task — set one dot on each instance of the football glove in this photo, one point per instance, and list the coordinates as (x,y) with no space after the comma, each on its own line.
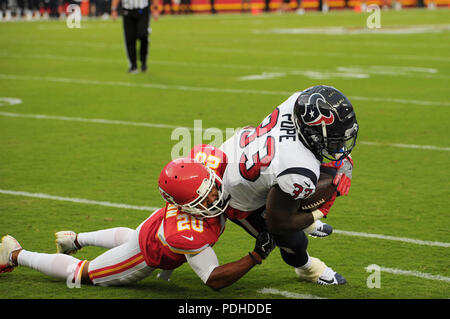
(264,244)
(343,178)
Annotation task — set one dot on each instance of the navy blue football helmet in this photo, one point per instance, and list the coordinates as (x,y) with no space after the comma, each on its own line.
(326,122)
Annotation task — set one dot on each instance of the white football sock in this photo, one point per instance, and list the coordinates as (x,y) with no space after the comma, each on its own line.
(312,270)
(107,238)
(59,266)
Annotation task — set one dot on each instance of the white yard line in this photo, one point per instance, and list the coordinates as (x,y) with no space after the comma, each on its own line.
(152,209)
(412,146)
(140,85)
(77,200)
(393,238)
(87,120)
(414,274)
(18,77)
(287,294)
(165,126)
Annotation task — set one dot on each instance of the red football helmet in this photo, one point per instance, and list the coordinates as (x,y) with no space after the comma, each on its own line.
(186,183)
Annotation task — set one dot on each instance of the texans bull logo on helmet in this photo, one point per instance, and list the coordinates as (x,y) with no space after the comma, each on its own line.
(325,122)
(313,115)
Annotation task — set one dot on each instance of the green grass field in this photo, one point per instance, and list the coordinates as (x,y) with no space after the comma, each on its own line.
(204,68)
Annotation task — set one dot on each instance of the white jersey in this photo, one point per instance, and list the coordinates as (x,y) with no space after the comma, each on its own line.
(270,154)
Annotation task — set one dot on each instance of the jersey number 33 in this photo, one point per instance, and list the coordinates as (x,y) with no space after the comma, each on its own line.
(263,145)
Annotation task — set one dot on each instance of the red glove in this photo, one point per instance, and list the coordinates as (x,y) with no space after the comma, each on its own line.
(343,183)
(325,208)
(343,179)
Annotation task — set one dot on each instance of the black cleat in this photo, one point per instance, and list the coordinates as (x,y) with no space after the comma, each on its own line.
(133,70)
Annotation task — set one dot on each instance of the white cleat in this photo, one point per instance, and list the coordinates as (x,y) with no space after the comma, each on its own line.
(319,229)
(319,273)
(330,277)
(65,242)
(7,246)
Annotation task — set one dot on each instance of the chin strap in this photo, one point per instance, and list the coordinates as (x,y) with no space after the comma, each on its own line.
(324,130)
(325,136)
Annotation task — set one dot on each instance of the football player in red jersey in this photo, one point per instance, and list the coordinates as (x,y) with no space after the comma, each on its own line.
(185,230)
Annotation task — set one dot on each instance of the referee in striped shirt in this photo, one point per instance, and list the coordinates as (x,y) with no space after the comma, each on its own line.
(136,23)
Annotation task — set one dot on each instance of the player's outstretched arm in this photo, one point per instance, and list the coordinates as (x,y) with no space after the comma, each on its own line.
(282,213)
(227,274)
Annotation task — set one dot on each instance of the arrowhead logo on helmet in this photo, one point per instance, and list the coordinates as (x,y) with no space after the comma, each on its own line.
(313,115)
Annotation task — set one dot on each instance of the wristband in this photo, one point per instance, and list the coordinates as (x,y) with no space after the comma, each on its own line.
(254,259)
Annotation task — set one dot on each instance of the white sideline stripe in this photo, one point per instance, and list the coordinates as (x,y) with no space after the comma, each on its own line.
(149,208)
(413,273)
(78,200)
(86,120)
(139,85)
(386,237)
(287,294)
(203,89)
(401,101)
(156,125)
(413,146)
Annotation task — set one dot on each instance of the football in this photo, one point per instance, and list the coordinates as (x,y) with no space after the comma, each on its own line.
(324,190)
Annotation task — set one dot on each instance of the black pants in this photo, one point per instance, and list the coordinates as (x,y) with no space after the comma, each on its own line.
(135,26)
(3,5)
(292,246)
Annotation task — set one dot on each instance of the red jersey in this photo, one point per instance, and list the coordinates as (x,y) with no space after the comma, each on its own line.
(169,233)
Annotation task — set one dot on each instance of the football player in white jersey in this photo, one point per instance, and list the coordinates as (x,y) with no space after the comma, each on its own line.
(272,167)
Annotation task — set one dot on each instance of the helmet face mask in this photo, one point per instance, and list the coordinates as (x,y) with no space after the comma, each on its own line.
(325,122)
(187,183)
(340,147)
(216,208)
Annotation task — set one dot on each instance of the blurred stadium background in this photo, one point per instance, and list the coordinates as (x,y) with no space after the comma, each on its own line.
(36,9)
